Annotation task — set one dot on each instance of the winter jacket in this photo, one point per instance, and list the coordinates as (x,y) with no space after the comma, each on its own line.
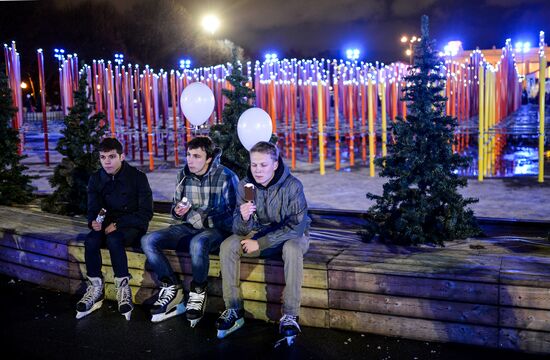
(281,209)
(126,196)
(212,196)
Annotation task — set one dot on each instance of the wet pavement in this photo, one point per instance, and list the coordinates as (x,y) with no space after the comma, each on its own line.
(39,324)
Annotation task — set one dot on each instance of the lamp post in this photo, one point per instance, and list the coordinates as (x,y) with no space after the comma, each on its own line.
(522,48)
(119,59)
(353,54)
(59,54)
(210,24)
(185,64)
(410,41)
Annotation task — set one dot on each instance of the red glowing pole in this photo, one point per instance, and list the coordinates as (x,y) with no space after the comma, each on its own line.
(363,121)
(175,116)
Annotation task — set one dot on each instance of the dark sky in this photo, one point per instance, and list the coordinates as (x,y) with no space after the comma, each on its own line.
(300,27)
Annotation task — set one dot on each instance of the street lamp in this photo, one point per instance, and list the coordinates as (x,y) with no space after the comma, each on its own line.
(409,52)
(119,59)
(59,55)
(271,57)
(353,54)
(210,24)
(185,64)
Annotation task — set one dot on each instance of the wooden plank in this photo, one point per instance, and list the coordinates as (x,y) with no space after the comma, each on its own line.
(529,319)
(46,279)
(450,290)
(525,340)
(34,261)
(525,297)
(30,244)
(414,307)
(462,274)
(416,329)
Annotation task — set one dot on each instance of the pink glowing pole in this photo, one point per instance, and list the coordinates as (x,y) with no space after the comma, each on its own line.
(40,57)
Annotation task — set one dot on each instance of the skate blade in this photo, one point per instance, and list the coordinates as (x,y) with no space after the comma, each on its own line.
(289,341)
(128,315)
(223,333)
(194,322)
(81,314)
(178,310)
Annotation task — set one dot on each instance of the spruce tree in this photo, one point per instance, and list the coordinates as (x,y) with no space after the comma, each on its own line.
(80,139)
(224,135)
(15,187)
(420,201)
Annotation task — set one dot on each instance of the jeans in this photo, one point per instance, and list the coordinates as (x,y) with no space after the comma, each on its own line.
(292,251)
(181,237)
(116,243)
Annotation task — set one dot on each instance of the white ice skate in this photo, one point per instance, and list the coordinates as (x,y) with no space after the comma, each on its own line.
(169,303)
(229,321)
(124,297)
(92,299)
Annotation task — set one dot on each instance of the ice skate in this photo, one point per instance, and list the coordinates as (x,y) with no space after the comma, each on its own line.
(229,321)
(289,329)
(92,299)
(169,303)
(124,297)
(196,305)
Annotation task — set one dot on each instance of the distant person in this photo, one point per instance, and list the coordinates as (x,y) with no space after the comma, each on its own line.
(202,207)
(120,206)
(270,220)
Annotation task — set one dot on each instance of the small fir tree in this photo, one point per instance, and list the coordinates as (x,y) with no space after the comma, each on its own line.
(420,201)
(81,136)
(224,135)
(15,187)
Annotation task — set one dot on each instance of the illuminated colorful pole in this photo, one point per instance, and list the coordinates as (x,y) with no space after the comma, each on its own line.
(371,105)
(337,124)
(481,117)
(41,78)
(384,125)
(320,122)
(542,82)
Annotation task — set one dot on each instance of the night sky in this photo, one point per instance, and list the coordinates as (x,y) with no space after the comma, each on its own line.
(160,32)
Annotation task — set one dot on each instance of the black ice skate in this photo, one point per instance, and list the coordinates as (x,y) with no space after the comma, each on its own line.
(92,299)
(289,329)
(124,297)
(229,321)
(196,305)
(169,303)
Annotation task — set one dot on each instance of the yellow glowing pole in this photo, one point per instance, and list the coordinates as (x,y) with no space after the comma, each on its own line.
(384,125)
(320,123)
(493,124)
(371,127)
(542,86)
(480,125)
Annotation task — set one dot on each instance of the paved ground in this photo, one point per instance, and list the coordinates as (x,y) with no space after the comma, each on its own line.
(40,324)
(520,197)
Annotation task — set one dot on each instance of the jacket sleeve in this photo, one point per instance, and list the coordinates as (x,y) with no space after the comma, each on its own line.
(144,213)
(94,199)
(223,215)
(177,197)
(296,221)
(241,227)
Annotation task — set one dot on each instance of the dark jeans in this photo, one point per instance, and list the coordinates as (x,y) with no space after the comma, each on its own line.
(116,243)
(181,237)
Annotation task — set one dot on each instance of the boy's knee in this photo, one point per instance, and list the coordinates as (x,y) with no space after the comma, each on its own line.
(230,245)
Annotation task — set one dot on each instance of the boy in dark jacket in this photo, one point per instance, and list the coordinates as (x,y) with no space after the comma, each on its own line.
(120,206)
(271,221)
(202,206)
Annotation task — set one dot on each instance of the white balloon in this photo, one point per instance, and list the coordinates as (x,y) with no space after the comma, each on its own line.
(197,103)
(254,126)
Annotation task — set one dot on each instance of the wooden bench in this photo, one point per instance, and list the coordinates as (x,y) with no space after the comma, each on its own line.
(495,296)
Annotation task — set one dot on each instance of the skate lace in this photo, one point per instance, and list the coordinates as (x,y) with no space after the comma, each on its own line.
(124,295)
(91,295)
(229,314)
(166,295)
(196,301)
(289,320)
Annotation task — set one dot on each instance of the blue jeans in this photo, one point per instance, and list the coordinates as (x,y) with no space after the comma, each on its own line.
(181,237)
